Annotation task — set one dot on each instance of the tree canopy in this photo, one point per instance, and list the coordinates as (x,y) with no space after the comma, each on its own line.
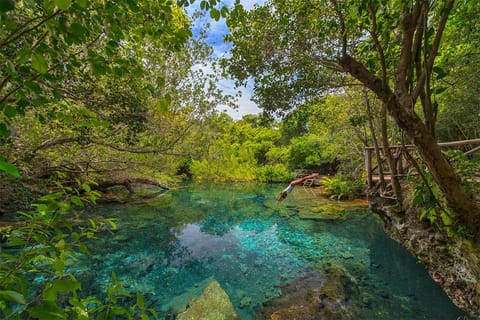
(390,47)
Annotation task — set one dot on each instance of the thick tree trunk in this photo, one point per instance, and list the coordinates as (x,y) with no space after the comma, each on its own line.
(448,181)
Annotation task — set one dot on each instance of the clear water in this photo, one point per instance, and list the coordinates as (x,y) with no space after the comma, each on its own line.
(167,247)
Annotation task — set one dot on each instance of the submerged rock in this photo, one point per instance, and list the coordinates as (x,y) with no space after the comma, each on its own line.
(315,296)
(213,304)
(327,212)
(245,302)
(180,303)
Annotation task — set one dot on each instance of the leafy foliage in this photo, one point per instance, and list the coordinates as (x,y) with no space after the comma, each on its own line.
(49,243)
(341,187)
(467,168)
(458,115)
(273,173)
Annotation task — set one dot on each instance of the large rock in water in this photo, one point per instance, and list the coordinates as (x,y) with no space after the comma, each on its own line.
(213,304)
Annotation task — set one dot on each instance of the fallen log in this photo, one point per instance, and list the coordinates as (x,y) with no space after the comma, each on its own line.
(127,183)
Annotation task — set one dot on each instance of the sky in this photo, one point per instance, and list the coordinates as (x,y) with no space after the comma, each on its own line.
(221,49)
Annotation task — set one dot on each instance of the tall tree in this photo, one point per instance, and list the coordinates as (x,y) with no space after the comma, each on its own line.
(293,49)
(103,87)
(49,48)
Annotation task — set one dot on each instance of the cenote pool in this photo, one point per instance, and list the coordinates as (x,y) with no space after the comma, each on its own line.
(168,247)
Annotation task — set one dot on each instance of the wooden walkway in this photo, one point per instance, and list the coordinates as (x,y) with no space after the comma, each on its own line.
(377,168)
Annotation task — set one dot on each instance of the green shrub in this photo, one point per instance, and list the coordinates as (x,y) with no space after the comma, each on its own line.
(341,187)
(44,244)
(466,168)
(273,173)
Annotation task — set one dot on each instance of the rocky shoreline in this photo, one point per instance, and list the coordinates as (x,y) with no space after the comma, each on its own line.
(452,262)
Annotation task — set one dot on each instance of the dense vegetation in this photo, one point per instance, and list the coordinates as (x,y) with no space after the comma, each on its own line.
(98,93)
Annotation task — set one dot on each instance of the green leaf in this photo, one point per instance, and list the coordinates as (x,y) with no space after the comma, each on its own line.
(112,224)
(76,200)
(63,4)
(116,311)
(164,104)
(441,73)
(16,242)
(60,245)
(422,214)
(23,55)
(51,196)
(439,90)
(75,236)
(82,3)
(47,311)
(215,14)
(224,12)
(4,132)
(153,312)
(7,5)
(86,187)
(8,168)
(13,296)
(77,32)
(61,285)
(140,302)
(83,248)
(10,111)
(11,68)
(447,220)
(39,63)
(59,265)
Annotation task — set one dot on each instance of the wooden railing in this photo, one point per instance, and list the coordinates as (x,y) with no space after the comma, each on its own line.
(402,155)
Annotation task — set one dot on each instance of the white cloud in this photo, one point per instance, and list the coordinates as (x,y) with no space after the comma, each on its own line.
(217,30)
(245,106)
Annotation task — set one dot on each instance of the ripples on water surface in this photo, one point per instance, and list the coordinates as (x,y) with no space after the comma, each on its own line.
(167,247)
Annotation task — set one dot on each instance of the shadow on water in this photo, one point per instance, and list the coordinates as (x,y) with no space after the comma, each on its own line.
(168,248)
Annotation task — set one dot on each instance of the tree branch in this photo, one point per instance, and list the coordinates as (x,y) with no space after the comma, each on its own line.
(408,23)
(434,50)
(373,33)
(343,28)
(12,37)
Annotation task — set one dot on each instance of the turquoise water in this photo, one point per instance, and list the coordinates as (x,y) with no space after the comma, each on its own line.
(167,247)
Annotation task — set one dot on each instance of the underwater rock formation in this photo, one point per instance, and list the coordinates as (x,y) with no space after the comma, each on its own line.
(213,304)
(315,296)
(326,212)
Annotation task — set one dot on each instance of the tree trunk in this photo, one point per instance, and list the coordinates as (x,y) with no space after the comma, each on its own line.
(448,181)
(397,189)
